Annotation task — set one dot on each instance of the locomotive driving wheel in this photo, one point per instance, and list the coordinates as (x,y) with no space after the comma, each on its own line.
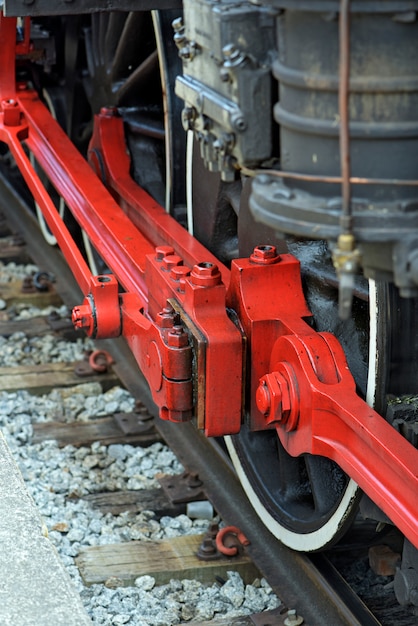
(308,502)
(123,59)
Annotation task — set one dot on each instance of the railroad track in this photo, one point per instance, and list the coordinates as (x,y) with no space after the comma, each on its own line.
(310,589)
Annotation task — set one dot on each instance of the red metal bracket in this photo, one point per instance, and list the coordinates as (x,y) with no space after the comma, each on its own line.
(308,394)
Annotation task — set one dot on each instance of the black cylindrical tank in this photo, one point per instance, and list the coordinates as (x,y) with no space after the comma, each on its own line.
(383,102)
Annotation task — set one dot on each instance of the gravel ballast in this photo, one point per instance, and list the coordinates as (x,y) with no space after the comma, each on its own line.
(58,478)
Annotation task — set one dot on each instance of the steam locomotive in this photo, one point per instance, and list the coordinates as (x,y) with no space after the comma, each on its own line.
(234,185)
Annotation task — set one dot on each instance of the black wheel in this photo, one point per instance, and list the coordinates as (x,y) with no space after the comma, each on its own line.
(307,502)
(122,59)
(128,60)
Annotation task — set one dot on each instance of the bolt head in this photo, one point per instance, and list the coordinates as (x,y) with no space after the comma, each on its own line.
(177,24)
(11,112)
(170,261)
(265,255)
(269,397)
(163,251)
(273,398)
(177,338)
(179,271)
(82,317)
(263,399)
(230,51)
(165,318)
(206,274)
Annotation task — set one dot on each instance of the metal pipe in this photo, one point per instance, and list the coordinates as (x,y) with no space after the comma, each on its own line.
(343,106)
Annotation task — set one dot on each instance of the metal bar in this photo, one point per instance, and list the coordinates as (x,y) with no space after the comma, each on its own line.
(8,54)
(35,8)
(110,230)
(343,105)
(331,420)
(145,213)
(79,267)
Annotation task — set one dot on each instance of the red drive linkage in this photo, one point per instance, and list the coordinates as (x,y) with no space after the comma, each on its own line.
(178,303)
(305,390)
(171,282)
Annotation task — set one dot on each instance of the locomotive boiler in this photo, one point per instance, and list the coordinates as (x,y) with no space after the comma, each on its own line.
(235,187)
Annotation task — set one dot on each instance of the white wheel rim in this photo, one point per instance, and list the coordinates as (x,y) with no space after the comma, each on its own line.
(321,537)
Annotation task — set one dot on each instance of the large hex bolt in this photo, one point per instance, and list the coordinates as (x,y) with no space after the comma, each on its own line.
(206,274)
(277,401)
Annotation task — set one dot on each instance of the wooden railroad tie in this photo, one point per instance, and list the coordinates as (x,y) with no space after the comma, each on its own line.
(163,560)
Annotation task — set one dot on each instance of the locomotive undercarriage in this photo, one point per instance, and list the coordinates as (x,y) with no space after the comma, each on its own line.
(214,341)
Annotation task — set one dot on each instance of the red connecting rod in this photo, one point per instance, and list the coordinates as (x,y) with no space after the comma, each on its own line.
(308,394)
(177,306)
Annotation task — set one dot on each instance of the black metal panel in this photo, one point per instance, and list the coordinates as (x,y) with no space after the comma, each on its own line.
(357,6)
(382,105)
(67,7)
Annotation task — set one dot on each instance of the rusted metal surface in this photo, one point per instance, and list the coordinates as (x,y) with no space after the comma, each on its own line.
(186,487)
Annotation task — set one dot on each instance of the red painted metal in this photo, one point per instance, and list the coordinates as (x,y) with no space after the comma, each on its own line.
(99,315)
(308,394)
(265,312)
(331,420)
(176,309)
(8,59)
(137,266)
(232,536)
(150,218)
(199,296)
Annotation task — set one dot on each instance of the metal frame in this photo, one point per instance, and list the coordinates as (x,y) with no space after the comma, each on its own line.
(36,8)
(212,343)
